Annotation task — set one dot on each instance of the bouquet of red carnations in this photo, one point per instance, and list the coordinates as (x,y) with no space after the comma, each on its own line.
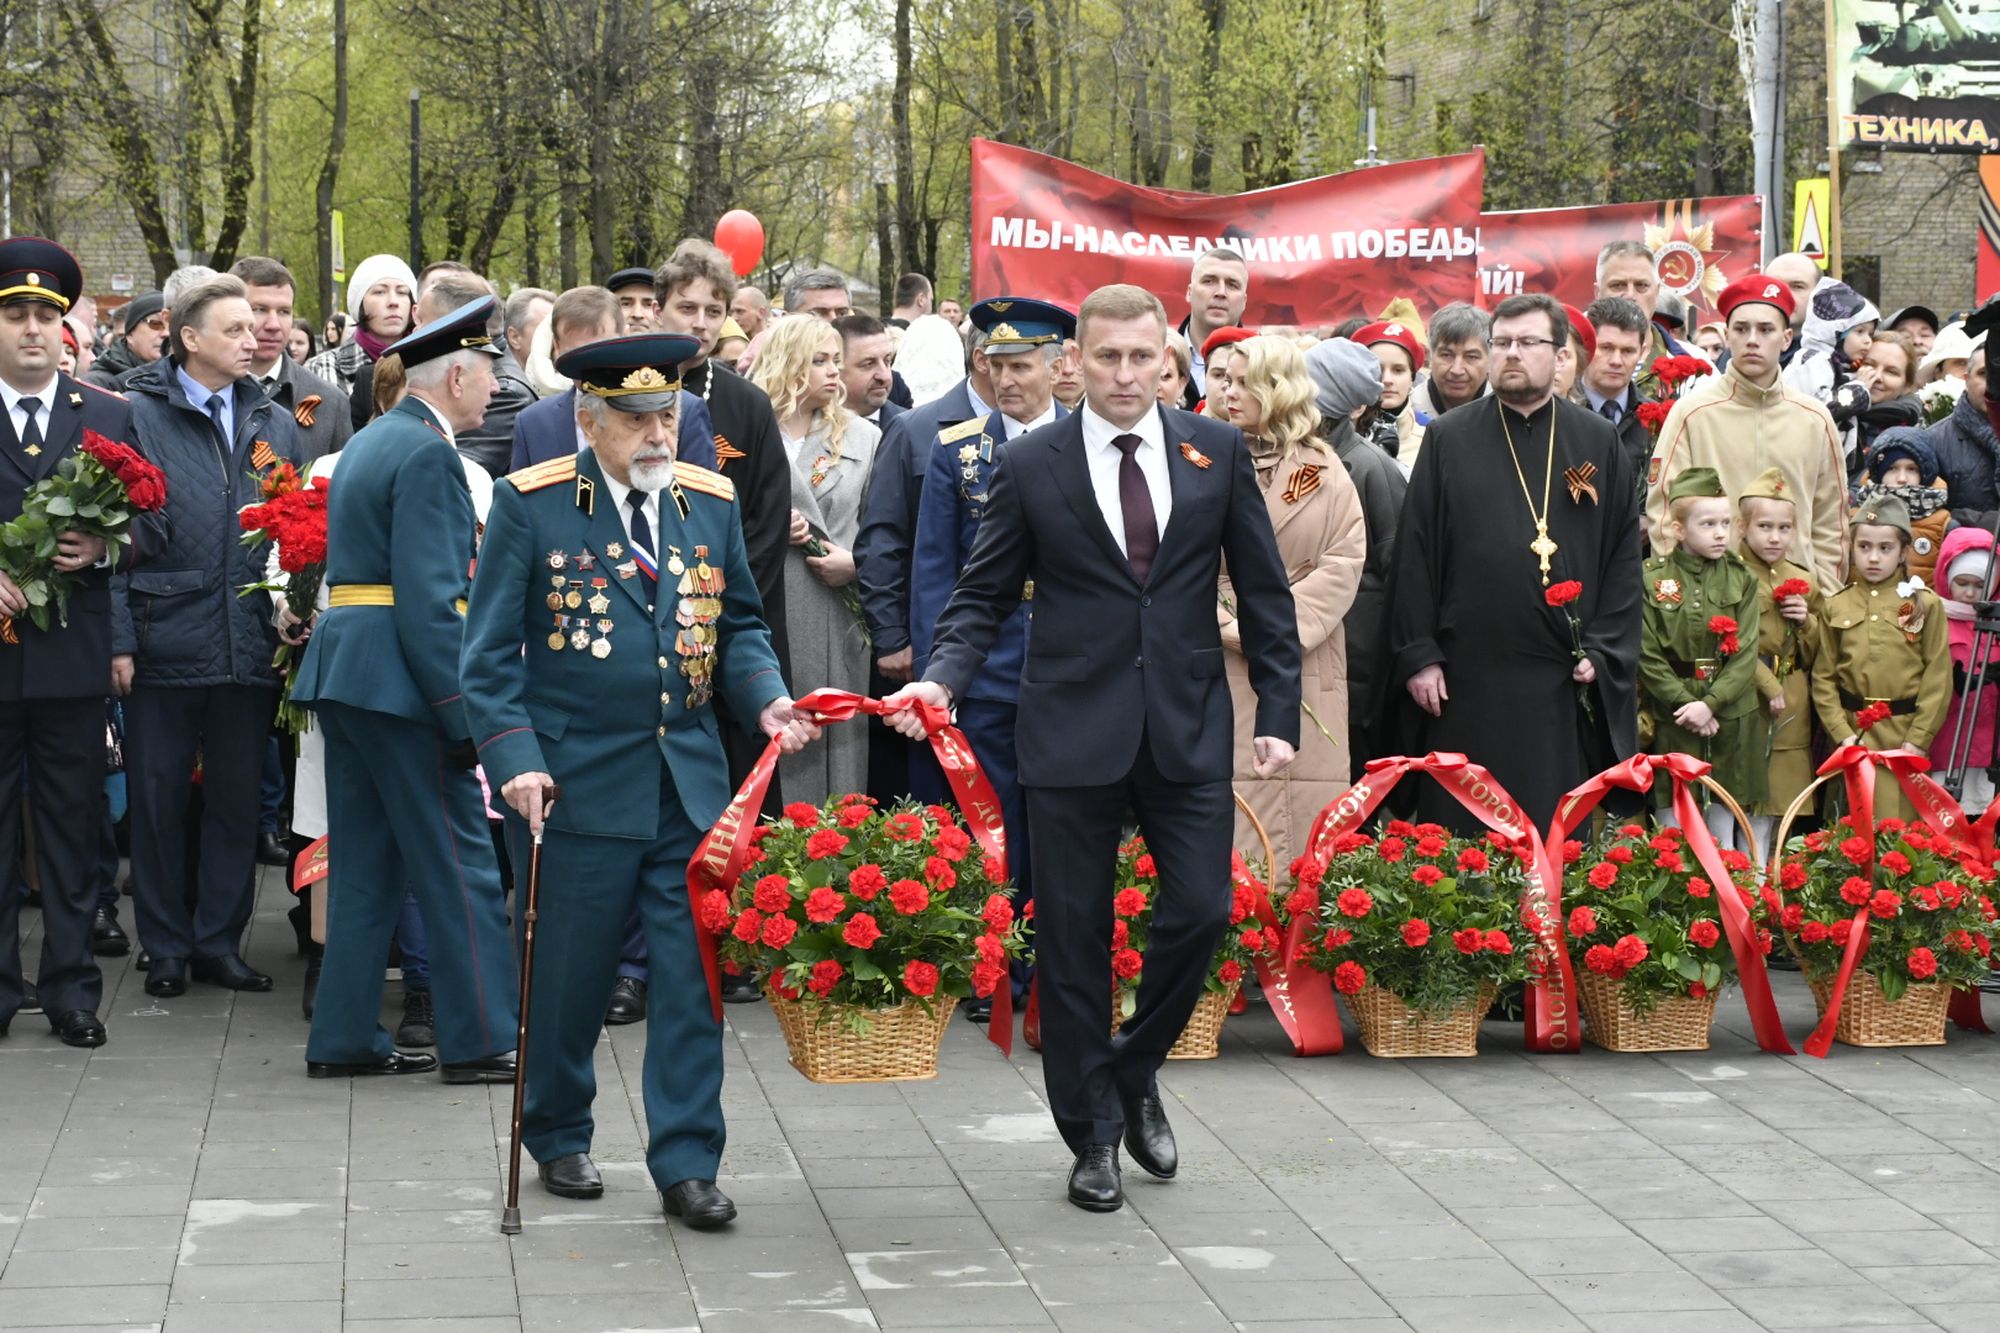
(96,491)
(293,515)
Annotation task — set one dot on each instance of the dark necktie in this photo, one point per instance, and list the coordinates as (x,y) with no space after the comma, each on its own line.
(642,543)
(215,414)
(1610,410)
(31,434)
(1142,530)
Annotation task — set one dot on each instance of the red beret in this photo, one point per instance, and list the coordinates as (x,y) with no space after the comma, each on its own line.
(1222,337)
(1586,332)
(1756,288)
(1398,335)
(69,337)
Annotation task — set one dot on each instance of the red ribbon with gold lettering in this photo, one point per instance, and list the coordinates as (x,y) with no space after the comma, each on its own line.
(724,853)
(1549,1019)
(1301,996)
(1637,774)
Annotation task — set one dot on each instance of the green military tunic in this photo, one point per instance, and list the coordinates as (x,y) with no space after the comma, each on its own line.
(1784,661)
(1679,664)
(1873,643)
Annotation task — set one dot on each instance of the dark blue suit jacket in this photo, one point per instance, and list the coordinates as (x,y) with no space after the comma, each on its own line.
(547,429)
(1112,661)
(889,513)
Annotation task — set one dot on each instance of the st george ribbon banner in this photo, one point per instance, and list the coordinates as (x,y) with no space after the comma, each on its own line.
(1318,250)
(1323,250)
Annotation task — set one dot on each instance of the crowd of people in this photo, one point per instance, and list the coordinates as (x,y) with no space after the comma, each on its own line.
(841,500)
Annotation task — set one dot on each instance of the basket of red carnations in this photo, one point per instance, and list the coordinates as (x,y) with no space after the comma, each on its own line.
(869,926)
(1419,930)
(1927,914)
(1137,885)
(1648,928)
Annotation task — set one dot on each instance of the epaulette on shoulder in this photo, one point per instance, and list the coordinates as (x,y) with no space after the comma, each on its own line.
(552,473)
(695,477)
(953,434)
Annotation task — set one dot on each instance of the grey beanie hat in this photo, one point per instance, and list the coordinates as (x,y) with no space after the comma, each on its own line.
(1346,376)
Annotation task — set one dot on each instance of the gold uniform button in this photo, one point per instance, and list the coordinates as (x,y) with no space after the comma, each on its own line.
(663,663)
(663,731)
(1874,617)
(666,701)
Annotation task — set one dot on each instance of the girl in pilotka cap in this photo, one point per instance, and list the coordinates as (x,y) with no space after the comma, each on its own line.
(1882,673)
(1784,643)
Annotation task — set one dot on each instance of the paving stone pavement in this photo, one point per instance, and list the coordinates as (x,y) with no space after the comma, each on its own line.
(188,1176)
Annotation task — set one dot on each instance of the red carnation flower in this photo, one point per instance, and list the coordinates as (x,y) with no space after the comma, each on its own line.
(854,816)
(1599,958)
(748,926)
(1144,867)
(866,880)
(824,843)
(1582,922)
(998,913)
(953,843)
(938,872)
(1127,963)
(1121,934)
(1922,963)
(1256,941)
(1430,846)
(1699,887)
(778,931)
(1813,932)
(1562,594)
(1470,940)
(1473,861)
(1129,902)
(1895,863)
(1621,855)
(920,978)
(1392,849)
(861,931)
(1885,904)
(1354,902)
(823,905)
(1497,942)
(1572,852)
(1337,939)
(990,949)
(1792,588)
(773,894)
(805,816)
(1653,416)
(1704,933)
(1299,902)
(905,826)
(1604,874)
(986,978)
(826,974)
(1427,875)
(1792,917)
(1349,978)
(1229,973)
(715,916)
(909,897)
(1630,950)
(1839,932)
(1854,891)
(1416,933)
(1310,871)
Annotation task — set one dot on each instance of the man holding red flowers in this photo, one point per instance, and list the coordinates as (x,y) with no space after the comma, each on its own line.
(53,682)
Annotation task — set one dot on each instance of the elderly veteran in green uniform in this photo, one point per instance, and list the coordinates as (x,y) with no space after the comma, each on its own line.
(613,602)
(381,674)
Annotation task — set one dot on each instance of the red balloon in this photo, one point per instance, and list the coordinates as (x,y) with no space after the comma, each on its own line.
(741,237)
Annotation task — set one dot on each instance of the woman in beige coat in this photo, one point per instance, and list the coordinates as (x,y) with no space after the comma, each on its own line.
(1316,514)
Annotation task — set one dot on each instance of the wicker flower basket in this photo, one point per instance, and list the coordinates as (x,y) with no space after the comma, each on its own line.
(1869,1018)
(1393,1030)
(1201,1038)
(899,1043)
(1676,1023)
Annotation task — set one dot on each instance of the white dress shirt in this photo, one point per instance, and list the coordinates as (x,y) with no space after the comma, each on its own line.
(1015,428)
(1104,457)
(18,415)
(651,506)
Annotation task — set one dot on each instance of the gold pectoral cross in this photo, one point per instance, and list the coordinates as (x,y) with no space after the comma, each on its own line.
(1544,547)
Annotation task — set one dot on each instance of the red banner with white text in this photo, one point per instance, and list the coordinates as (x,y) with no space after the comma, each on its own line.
(1318,250)
(1699,247)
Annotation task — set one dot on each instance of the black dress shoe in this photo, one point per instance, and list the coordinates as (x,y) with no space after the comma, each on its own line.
(699,1204)
(271,850)
(229,972)
(573,1177)
(741,988)
(310,993)
(78,1027)
(106,939)
(1149,1138)
(628,1002)
(493,1069)
(977,1011)
(167,976)
(144,963)
(419,1025)
(399,1062)
(31,1003)
(1094,1185)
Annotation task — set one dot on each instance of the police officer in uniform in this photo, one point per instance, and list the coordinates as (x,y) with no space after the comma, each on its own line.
(381,671)
(53,683)
(1024,343)
(614,605)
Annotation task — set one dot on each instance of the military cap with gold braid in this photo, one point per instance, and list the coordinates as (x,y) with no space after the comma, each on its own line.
(1770,484)
(463,330)
(1696,483)
(1885,511)
(640,372)
(1016,324)
(35,269)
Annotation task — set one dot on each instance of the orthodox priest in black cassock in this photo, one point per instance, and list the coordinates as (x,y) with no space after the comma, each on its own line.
(1469,596)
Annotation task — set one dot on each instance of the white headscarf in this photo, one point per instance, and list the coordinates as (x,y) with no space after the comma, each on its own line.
(932,358)
(540,367)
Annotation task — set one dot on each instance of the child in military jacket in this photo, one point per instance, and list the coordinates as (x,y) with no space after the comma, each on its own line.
(1784,645)
(1882,647)
(1697,674)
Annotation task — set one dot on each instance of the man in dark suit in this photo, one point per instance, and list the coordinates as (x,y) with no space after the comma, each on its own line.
(1607,385)
(1121,514)
(317,407)
(53,683)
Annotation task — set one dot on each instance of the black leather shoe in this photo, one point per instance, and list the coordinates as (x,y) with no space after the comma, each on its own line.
(419,1026)
(977,1011)
(699,1204)
(31,1002)
(399,1062)
(78,1027)
(229,972)
(166,977)
(271,850)
(1149,1138)
(1094,1184)
(628,1002)
(493,1069)
(741,988)
(106,939)
(573,1177)
(144,963)
(310,994)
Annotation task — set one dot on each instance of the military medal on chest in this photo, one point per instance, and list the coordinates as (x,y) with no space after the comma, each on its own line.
(697,610)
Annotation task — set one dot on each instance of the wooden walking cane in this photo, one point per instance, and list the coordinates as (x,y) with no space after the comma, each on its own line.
(510,1216)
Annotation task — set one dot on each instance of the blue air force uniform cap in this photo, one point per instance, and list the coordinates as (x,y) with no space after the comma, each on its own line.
(35,269)
(629,277)
(640,372)
(463,330)
(1016,324)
